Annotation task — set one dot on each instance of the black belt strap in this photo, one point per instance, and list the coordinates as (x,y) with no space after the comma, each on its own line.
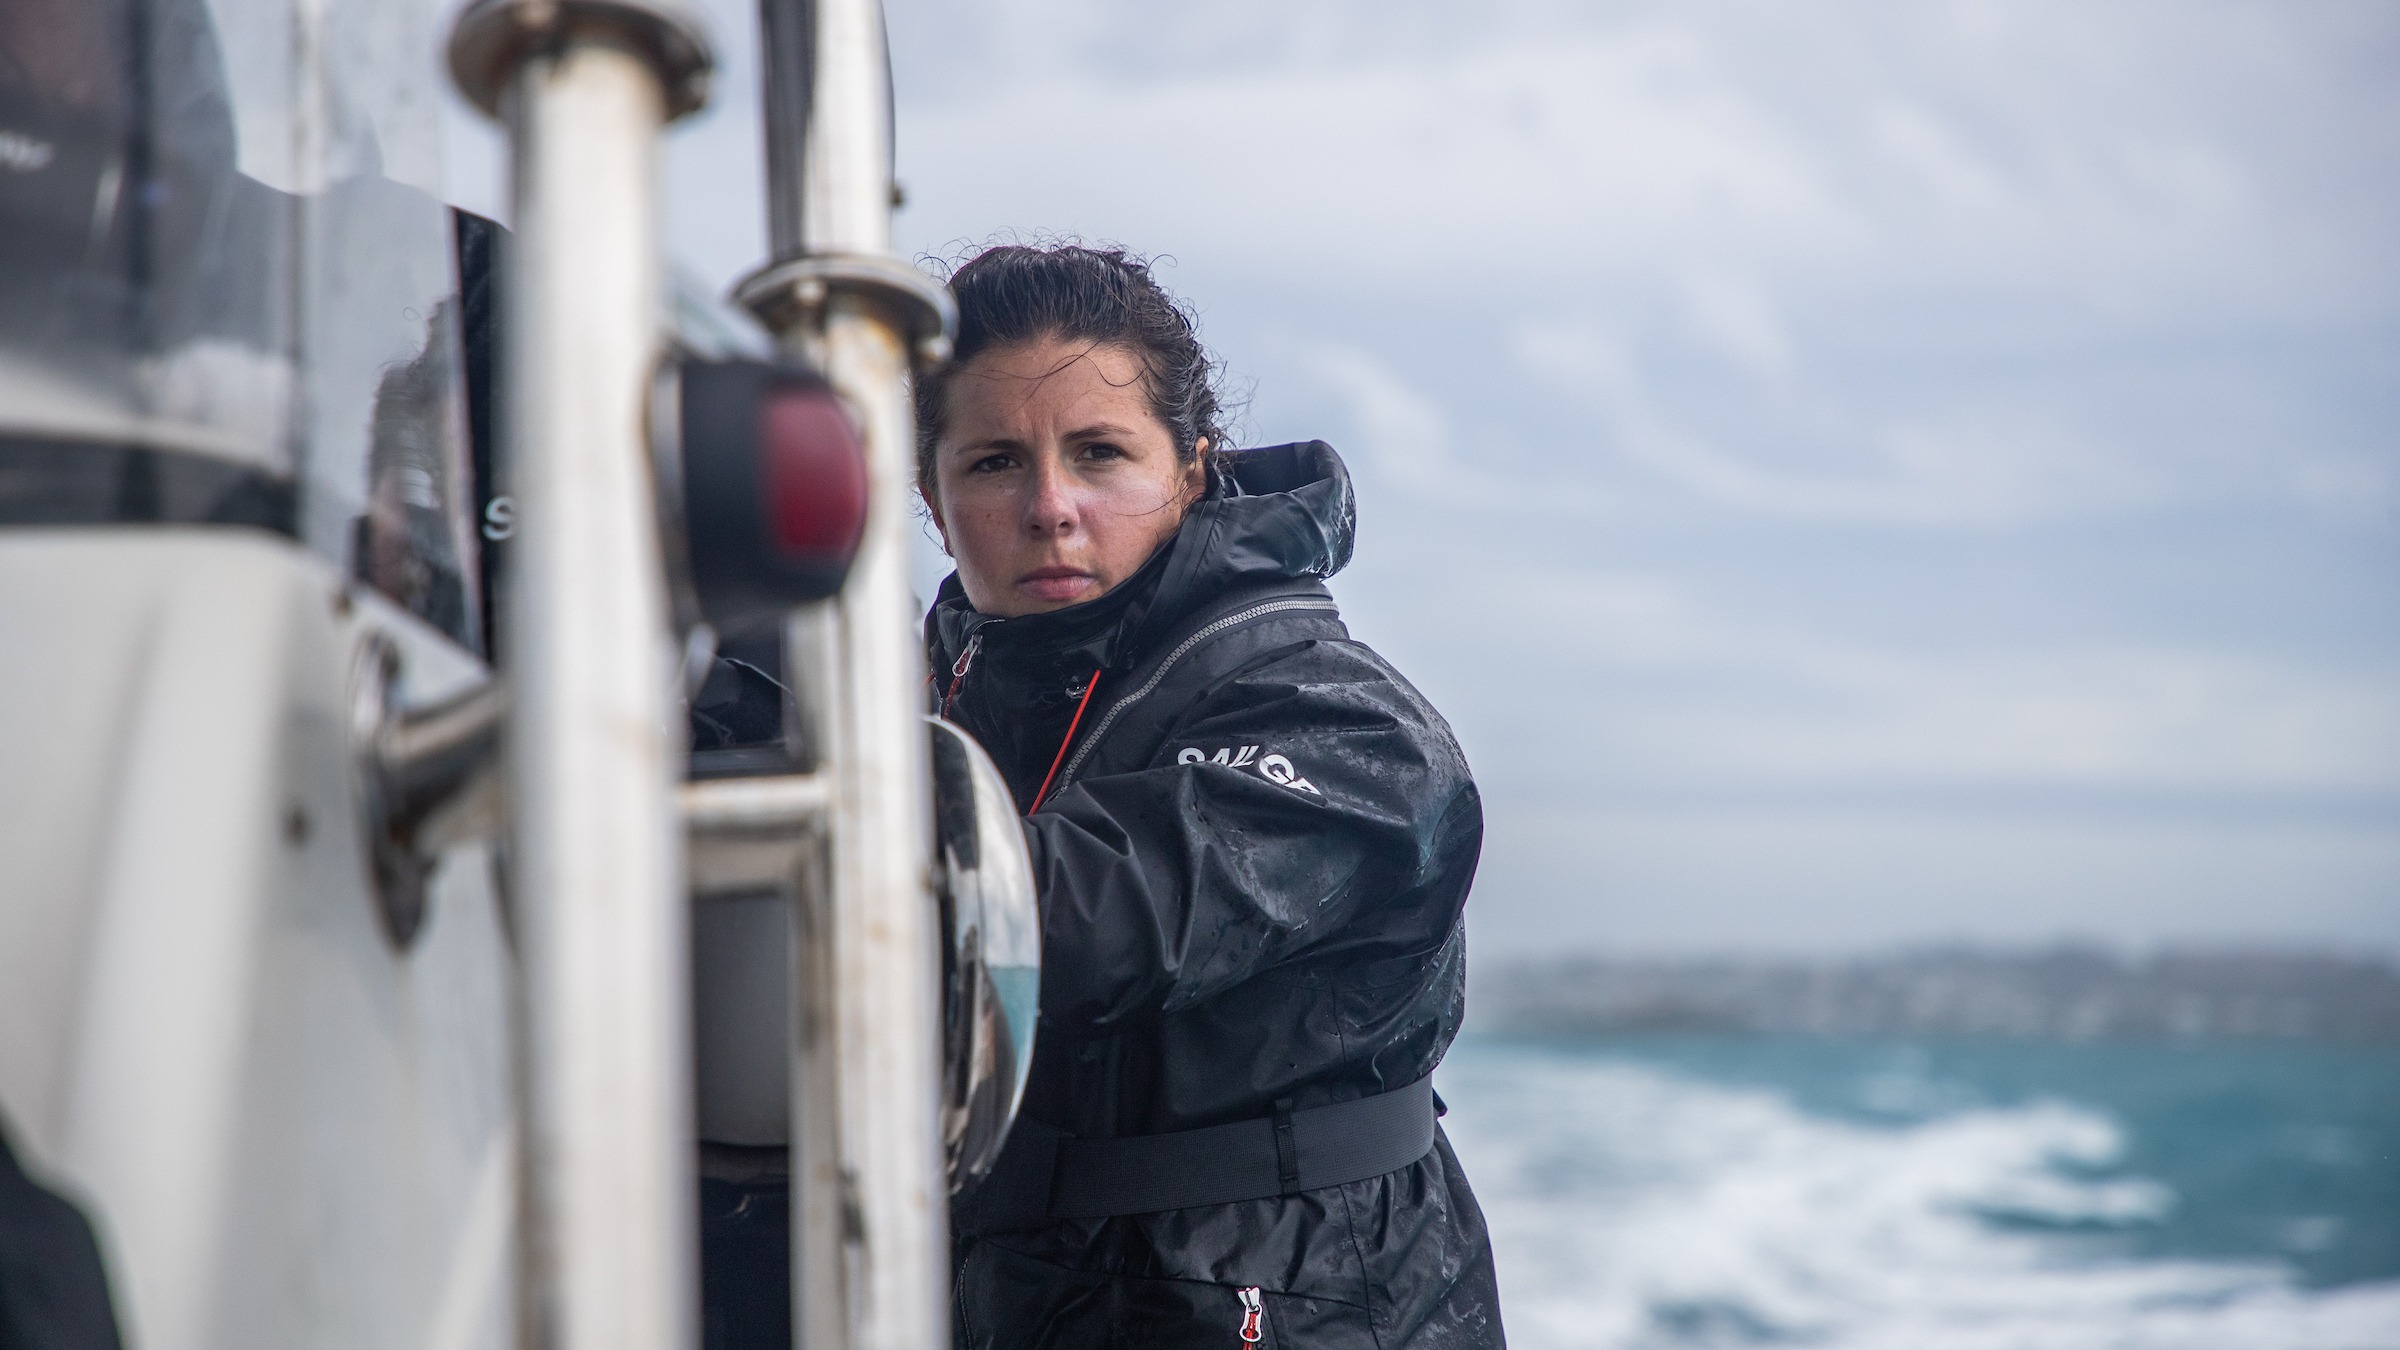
(1045,1173)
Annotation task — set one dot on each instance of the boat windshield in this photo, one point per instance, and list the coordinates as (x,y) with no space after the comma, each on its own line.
(229,292)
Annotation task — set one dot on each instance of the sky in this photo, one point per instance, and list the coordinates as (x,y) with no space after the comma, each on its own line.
(1858,474)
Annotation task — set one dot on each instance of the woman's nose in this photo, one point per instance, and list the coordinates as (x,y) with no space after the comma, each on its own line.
(1050,507)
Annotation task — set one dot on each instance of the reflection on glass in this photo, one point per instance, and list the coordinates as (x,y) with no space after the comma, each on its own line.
(409,541)
(137,294)
(213,284)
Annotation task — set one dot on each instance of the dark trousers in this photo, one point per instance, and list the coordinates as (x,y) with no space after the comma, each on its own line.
(746,1264)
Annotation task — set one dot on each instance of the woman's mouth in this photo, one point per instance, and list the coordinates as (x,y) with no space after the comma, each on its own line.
(1054,584)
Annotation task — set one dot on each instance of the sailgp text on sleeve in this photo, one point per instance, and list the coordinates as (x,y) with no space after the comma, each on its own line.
(1274,768)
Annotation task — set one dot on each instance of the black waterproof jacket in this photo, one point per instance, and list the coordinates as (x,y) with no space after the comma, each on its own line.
(1252,863)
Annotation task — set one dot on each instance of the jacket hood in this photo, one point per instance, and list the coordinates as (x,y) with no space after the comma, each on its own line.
(1278,513)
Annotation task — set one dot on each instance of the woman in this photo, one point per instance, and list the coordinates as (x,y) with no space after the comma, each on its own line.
(1253,841)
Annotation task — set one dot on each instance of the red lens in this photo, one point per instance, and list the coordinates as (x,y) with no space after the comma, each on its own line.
(814,476)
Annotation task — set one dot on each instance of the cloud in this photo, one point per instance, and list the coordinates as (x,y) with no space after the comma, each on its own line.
(1700,693)
(1448,171)
(1621,442)
(2112,158)
(1778,425)
(1739,320)
(1406,434)
(1975,467)
(1402,438)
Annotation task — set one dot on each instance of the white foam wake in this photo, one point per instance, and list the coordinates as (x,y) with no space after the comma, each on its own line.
(1635,1209)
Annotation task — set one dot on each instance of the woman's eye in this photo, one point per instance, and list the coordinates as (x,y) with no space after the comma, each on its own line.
(1103,450)
(992,464)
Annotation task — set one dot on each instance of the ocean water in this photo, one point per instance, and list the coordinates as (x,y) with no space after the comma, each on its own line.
(1667,1192)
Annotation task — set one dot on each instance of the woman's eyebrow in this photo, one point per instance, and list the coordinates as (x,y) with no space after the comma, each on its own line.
(1095,431)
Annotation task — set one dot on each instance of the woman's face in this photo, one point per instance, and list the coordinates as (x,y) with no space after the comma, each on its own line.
(1053,480)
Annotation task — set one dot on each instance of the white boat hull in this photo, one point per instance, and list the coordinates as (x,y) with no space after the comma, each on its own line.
(285,1130)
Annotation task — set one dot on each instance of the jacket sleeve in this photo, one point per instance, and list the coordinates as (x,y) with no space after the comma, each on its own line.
(1286,813)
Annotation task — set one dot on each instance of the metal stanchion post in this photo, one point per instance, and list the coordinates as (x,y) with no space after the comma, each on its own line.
(584,87)
(870,1245)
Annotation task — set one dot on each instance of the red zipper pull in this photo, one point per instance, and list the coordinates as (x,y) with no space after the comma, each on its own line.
(1254,1315)
(958,672)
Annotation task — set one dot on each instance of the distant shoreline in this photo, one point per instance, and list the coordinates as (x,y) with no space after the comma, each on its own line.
(2056,994)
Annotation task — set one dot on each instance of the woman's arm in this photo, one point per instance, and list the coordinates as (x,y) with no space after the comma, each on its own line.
(1300,808)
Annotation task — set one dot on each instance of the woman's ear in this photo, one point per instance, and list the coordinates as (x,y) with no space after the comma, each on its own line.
(933,509)
(1195,476)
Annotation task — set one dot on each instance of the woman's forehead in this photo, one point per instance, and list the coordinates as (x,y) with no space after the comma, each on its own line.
(1050,387)
(1050,357)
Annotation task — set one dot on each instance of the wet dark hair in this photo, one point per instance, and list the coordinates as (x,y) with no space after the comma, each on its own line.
(1014,293)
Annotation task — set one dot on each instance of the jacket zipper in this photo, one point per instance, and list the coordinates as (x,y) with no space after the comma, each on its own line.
(1083,699)
(1254,1315)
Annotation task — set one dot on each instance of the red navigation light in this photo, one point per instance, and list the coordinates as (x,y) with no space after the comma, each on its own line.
(812,474)
(774,489)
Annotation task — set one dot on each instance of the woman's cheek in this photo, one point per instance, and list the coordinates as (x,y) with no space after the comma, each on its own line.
(983,534)
(1143,499)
